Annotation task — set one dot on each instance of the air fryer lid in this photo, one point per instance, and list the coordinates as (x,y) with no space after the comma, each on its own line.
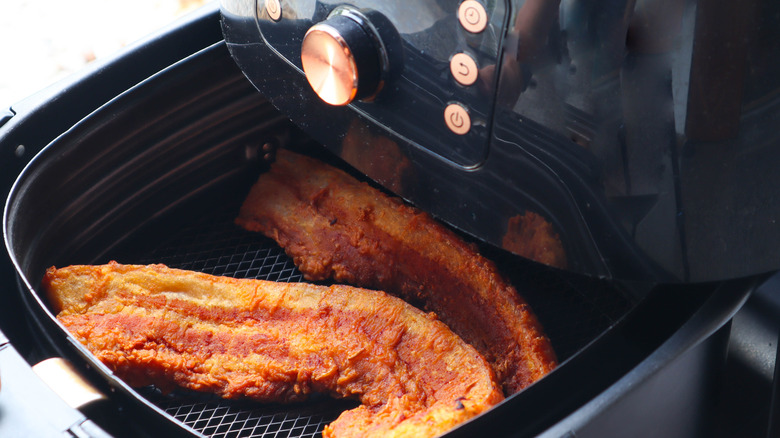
(644,132)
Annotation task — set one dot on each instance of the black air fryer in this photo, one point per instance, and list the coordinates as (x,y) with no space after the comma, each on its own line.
(643,133)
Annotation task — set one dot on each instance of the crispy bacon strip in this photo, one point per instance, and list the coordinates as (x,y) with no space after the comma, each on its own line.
(276,342)
(335,227)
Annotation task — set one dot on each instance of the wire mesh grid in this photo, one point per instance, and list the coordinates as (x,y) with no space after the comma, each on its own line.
(225,419)
(218,247)
(574,313)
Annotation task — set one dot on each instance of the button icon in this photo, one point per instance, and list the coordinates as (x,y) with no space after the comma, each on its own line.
(457,118)
(464,69)
(274,9)
(472,16)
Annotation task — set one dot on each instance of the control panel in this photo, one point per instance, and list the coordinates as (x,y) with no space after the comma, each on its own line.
(426,75)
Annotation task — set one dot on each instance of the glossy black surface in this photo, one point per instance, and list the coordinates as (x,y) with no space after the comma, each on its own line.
(418,45)
(644,132)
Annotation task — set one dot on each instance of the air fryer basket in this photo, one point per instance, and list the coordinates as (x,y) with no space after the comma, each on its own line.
(157,176)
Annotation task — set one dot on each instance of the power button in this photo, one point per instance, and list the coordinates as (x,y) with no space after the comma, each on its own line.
(457,118)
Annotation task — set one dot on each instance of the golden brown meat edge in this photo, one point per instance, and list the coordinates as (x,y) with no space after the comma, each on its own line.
(335,227)
(276,342)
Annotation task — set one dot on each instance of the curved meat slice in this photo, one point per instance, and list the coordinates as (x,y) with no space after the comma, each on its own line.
(276,342)
(335,227)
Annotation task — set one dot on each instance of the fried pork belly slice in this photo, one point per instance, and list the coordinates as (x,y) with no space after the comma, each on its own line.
(335,227)
(276,342)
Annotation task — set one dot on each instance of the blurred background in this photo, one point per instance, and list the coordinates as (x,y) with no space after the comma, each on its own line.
(42,41)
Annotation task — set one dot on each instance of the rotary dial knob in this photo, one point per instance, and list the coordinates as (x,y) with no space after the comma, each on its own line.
(342,58)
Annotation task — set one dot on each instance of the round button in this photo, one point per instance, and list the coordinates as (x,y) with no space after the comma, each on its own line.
(340,60)
(464,69)
(274,9)
(457,118)
(472,16)
(329,66)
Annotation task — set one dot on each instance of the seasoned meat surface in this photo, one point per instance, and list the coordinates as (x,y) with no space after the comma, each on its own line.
(276,342)
(335,227)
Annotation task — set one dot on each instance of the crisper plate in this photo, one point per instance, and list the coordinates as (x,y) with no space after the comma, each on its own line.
(574,314)
(222,419)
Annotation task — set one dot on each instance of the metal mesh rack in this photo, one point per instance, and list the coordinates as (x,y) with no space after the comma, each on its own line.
(573,313)
(218,418)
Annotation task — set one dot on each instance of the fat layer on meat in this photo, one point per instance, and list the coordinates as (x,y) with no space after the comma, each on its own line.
(336,227)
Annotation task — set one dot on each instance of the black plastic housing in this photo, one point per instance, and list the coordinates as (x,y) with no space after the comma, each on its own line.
(644,132)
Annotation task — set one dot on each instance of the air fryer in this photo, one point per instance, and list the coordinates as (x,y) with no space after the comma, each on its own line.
(596,117)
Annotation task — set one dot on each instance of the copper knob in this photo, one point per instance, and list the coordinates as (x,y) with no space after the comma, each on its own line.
(341,59)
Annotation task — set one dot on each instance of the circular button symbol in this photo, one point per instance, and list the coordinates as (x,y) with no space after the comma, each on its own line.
(464,69)
(472,16)
(457,118)
(274,9)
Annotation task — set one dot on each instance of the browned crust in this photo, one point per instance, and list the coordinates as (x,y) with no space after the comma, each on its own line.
(276,342)
(335,227)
